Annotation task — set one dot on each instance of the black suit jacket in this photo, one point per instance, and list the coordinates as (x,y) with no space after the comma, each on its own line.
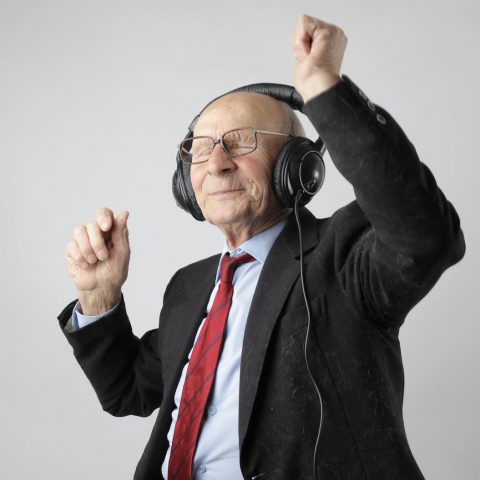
(366,266)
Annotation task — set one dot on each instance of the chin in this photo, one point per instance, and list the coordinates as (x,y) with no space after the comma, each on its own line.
(222,218)
(223,215)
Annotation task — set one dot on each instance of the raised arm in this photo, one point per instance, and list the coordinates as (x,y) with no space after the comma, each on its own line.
(415,232)
(125,371)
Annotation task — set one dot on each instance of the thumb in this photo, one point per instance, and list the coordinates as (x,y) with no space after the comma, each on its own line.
(305,31)
(120,230)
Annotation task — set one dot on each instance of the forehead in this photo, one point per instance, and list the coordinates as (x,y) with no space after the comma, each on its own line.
(241,109)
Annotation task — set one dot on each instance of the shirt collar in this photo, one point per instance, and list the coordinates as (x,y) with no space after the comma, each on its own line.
(257,246)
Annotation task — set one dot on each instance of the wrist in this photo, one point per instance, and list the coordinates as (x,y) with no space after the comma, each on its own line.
(317,84)
(97,303)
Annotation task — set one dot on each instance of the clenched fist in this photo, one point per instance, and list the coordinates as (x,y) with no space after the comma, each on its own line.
(318,47)
(97,257)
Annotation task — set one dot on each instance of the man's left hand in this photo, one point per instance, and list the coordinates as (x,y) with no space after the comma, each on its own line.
(318,47)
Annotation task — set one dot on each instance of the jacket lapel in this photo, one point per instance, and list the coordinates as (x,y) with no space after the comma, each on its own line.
(278,275)
(185,318)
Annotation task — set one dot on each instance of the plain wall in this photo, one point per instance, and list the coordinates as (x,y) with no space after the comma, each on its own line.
(94,98)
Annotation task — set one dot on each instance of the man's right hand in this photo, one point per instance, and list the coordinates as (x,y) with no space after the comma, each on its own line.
(97,257)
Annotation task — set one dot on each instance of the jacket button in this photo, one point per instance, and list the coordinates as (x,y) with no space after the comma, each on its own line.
(362,94)
(371,106)
(381,119)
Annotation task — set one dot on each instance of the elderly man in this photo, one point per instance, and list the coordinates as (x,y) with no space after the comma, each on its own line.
(239,391)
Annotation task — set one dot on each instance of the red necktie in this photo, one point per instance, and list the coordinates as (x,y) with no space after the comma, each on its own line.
(201,373)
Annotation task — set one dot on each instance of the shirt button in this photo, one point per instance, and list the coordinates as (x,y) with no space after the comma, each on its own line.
(381,119)
(202,469)
(371,106)
(212,410)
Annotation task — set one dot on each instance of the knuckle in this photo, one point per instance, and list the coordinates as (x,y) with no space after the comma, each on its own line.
(94,236)
(78,230)
(84,245)
(98,245)
(304,21)
(323,33)
(76,256)
(86,251)
(103,214)
(72,250)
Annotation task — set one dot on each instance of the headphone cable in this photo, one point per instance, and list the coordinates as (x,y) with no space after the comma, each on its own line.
(297,218)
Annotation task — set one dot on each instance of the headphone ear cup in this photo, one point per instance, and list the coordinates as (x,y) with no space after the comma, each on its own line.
(299,167)
(194,208)
(280,182)
(183,191)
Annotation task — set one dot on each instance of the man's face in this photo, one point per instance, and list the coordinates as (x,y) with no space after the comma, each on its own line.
(238,190)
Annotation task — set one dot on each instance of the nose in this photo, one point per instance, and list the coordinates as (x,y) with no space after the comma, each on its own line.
(219,162)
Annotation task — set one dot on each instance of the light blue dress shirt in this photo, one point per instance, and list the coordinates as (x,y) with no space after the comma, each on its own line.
(217,456)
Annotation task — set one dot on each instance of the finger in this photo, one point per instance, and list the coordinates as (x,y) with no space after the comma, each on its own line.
(81,236)
(73,255)
(310,30)
(300,40)
(97,241)
(303,34)
(333,37)
(120,229)
(125,234)
(310,24)
(105,218)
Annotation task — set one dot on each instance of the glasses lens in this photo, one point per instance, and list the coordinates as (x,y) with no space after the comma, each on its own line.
(196,149)
(240,141)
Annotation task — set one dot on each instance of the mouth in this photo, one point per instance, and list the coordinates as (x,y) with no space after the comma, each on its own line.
(226,192)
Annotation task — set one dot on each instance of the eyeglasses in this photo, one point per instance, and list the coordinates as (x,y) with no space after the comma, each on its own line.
(236,142)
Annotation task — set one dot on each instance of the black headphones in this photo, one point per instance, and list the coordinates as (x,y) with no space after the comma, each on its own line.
(299,166)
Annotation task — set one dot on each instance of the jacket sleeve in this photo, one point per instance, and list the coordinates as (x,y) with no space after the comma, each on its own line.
(125,371)
(414,232)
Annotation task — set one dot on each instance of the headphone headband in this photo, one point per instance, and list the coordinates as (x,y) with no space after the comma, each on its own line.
(278,91)
(283,93)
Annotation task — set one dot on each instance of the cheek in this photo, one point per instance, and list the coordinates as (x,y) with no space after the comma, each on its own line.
(262,183)
(261,176)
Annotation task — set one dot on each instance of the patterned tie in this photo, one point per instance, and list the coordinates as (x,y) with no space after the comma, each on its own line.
(201,373)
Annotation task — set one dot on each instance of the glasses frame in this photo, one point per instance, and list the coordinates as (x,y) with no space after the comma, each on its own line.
(220,141)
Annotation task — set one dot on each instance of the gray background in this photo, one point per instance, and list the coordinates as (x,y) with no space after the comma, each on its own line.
(94,97)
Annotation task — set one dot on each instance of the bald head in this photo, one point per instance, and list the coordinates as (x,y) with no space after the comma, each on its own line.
(254,110)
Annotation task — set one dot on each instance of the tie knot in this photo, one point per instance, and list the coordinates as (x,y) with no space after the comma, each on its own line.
(229,265)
